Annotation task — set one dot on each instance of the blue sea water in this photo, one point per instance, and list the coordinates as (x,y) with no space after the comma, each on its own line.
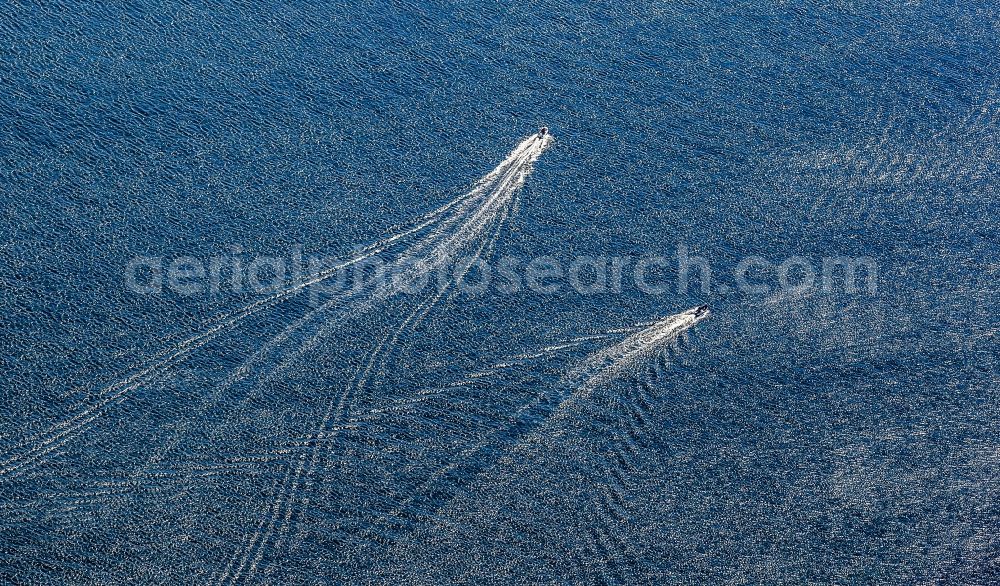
(808,436)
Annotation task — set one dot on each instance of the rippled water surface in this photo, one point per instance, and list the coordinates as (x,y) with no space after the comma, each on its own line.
(309,434)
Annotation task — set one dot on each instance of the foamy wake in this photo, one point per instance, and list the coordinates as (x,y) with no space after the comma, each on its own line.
(426,246)
(468,226)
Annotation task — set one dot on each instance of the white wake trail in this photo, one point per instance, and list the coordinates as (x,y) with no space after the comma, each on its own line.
(487,200)
(612,361)
(593,371)
(33,450)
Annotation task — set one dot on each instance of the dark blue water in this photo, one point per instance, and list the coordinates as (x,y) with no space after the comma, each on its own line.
(820,435)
